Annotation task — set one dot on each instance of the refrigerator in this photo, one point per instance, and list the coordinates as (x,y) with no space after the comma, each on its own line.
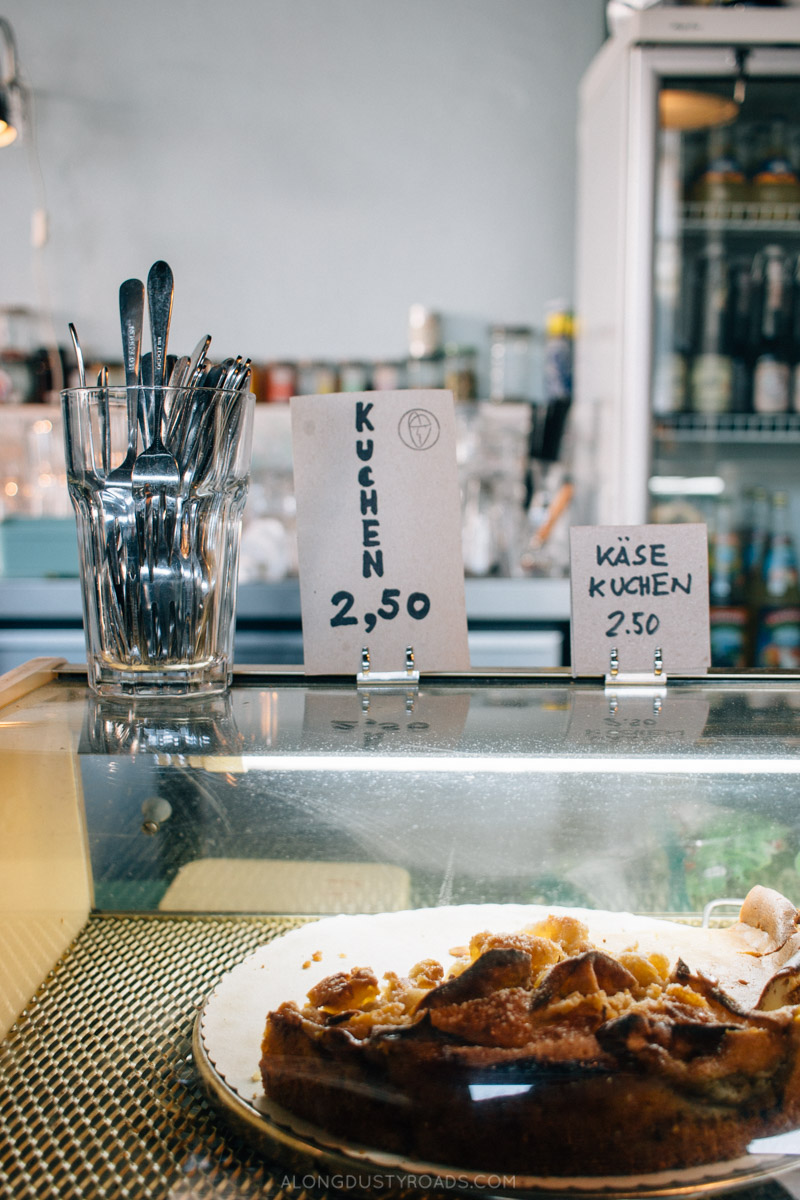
(657,433)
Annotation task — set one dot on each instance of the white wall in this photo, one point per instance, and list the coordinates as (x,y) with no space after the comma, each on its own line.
(309,168)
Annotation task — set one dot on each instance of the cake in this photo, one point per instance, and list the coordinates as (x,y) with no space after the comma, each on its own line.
(577,1043)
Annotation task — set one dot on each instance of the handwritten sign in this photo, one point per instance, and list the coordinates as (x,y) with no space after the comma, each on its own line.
(636,589)
(379,531)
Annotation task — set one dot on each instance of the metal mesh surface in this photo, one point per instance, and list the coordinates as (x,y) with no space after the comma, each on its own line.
(98,1092)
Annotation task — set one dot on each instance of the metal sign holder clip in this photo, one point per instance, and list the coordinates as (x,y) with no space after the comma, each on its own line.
(640,683)
(388,682)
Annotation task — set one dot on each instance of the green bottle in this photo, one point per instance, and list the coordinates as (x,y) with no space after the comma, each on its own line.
(728,611)
(778,596)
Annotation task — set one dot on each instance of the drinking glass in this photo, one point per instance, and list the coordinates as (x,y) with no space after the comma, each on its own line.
(159,514)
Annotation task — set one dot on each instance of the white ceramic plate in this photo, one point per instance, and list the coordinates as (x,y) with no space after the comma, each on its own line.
(230,1026)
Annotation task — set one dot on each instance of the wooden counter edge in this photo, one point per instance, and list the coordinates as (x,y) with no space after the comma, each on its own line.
(19,681)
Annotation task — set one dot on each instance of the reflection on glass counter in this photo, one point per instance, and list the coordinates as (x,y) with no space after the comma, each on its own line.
(287,796)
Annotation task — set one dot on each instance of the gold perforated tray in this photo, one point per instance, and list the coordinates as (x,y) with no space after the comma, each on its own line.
(99,1094)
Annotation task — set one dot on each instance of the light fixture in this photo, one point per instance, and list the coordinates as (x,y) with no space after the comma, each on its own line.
(10,89)
(684,109)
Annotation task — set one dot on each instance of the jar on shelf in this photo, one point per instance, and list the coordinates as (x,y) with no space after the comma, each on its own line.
(354,377)
(426,371)
(317,378)
(281,382)
(389,376)
(424,332)
(17,367)
(511,367)
(460,371)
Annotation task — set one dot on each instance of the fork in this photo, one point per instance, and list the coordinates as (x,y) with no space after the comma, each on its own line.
(118,503)
(156,482)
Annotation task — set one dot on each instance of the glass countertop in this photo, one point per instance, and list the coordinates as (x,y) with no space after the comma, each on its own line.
(288,795)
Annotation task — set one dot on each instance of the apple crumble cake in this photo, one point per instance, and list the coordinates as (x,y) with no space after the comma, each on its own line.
(579,1044)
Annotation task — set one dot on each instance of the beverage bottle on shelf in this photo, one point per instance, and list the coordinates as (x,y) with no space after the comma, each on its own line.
(558,350)
(748,146)
(739,333)
(777,598)
(721,187)
(728,611)
(711,372)
(755,534)
(775,184)
(794,338)
(771,337)
(671,321)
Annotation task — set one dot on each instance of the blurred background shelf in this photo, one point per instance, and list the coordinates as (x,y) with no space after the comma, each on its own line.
(512,622)
(761,428)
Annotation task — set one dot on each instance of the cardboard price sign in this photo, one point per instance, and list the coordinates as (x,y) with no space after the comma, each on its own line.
(379,531)
(635,589)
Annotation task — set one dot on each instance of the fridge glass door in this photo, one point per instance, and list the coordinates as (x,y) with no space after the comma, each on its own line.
(726,302)
(725,358)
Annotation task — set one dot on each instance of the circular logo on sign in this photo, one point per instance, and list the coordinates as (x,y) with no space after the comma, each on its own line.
(419,429)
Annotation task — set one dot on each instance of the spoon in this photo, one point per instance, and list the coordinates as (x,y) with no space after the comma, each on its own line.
(191,371)
(105,419)
(146,397)
(197,359)
(131,316)
(73,333)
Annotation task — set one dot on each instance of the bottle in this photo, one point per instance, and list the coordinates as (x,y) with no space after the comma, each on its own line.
(771,339)
(778,596)
(461,371)
(739,333)
(711,372)
(558,352)
(728,611)
(755,536)
(424,332)
(512,361)
(671,320)
(721,188)
(776,187)
(794,338)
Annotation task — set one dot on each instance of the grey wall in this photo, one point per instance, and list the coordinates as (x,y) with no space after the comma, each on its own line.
(310,168)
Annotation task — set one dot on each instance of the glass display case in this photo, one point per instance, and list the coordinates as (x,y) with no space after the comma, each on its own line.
(148,849)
